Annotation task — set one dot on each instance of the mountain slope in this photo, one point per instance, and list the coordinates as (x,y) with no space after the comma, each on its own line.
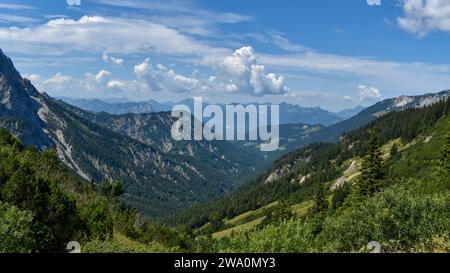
(335,131)
(407,213)
(18,107)
(43,206)
(154,129)
(348,113)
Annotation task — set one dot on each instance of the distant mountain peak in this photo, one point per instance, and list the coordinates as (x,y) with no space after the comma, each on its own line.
(402,101)
(8,72)
(19,106)
(420,101)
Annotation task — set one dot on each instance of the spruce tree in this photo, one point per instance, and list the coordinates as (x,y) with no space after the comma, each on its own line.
(320,202)
(371,169)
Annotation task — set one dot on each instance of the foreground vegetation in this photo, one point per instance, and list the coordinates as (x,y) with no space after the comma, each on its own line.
(43,206)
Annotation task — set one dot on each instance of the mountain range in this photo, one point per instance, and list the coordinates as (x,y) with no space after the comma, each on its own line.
(289,113)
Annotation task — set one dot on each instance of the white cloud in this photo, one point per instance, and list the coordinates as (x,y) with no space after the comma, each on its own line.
(240,73)
(422,16)
(34,78)
(282,42)
(402,76)
(15,6)
(112,60)
(58,81)
(102,75)
(365,93)
(142,69)
(74,2)
(6,18)
(116,84)
(237,73)
(161,78)
(104,34)
(92,85)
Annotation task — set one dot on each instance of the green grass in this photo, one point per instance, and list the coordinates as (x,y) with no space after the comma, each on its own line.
(122,244)
(243,218)
(242,225)
(238,229)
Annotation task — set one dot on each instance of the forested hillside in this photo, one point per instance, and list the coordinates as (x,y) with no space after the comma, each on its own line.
(43,206)
(388,181)
(400,199)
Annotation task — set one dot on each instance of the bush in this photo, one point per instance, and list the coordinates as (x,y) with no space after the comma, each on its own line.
(288,236)
(394,215)
(98,219)
(15,230)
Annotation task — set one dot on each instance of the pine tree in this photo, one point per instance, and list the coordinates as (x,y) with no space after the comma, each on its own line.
(320,203)
(371,169)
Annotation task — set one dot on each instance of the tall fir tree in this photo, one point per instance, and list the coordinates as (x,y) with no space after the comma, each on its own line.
(371,169)
(320,202)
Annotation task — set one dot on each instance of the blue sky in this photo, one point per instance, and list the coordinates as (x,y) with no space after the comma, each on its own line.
(327,53)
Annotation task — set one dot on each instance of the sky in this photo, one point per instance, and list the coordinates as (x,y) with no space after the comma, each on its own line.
(327,53)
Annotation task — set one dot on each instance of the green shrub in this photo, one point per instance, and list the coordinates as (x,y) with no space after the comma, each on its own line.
(394,215)
(98,219)
(15,230)
(288,236)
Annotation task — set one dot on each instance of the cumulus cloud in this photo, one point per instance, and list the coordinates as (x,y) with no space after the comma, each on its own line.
(161,78)
(112,60)
(92,85)
(365,93)
(58,82)
(422,16)
(101,75)
(34,78)
(240,73)
(116,84)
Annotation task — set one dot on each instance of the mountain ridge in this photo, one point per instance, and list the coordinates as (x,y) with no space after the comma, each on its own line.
(289,113)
